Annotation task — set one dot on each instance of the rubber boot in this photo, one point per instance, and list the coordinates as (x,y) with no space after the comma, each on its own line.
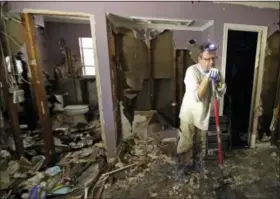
(199,164)
(180,174)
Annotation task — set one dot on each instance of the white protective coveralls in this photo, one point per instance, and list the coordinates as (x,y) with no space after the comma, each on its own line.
(195,112)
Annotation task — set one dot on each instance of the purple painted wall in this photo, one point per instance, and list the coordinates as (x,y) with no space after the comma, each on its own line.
(69,32)
(181,38)
(43,49)
(208,35)
(221,13)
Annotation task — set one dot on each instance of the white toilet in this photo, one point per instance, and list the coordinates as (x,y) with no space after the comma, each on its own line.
(76,113)
(73,113)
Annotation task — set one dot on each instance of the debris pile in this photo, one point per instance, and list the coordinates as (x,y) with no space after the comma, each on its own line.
(78,136)
(65,139)
(82,160)
(74,173)
(137,158)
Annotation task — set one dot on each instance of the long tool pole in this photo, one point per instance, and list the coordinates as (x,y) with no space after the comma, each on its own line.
(224,191)
(217,120)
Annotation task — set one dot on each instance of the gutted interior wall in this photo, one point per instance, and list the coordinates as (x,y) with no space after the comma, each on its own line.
(134,53)
(270,78)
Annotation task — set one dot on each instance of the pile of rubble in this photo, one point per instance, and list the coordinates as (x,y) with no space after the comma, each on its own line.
(73,174)
(82,161)
(68,137)
(149,158)
(78,136)
(136,159)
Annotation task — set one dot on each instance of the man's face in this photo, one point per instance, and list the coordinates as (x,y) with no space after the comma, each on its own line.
(207,60)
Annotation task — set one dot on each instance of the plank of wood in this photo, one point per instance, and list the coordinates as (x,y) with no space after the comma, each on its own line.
(114,80)
(38,85)
(175,104)
(151,75)
(181,74)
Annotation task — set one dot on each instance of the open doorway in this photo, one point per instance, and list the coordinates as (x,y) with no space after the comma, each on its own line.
(58,50)
(255,109)
(66,54)
(240,69)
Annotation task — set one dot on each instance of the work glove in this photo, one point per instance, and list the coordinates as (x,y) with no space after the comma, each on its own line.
(213,74)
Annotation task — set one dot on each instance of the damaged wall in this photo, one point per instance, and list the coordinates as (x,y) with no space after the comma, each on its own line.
(182,37)
(221,13)
(270,78)
(134,62)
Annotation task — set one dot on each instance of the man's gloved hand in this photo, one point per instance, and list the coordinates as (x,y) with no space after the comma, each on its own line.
(213,74)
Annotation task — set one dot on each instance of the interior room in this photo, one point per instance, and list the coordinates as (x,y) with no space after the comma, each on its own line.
(74,88)
(90,95)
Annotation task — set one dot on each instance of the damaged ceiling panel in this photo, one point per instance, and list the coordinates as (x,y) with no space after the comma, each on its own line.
(159,23)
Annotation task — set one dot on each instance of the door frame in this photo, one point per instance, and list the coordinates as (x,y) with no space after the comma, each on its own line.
(105,137)
(258,73)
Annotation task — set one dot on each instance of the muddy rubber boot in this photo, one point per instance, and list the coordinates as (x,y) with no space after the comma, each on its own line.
(199,164)
(180,175)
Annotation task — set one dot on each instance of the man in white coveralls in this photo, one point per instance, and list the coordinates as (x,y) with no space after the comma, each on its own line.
(195,110)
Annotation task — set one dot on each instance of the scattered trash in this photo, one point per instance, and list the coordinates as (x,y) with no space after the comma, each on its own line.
(82,161)
(53,171)
(146,163)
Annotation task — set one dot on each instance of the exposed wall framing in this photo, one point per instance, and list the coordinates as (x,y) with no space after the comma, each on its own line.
(114,79)
(38,85)
(12,110)
(154,67)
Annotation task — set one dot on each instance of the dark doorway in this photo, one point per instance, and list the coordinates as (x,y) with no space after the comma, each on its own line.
(240,64)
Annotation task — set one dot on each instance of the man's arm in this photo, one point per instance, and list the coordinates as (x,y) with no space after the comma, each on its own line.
(203,87)
(193,86)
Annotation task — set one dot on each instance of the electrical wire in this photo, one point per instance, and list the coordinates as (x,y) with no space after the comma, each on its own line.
(11,38)
(5,66)
(9,49)
(9,78)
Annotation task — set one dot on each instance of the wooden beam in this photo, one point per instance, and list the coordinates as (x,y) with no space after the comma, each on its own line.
(181,74)
(12,111)
(151,75)
(175,89)
(114,79)
(38,85)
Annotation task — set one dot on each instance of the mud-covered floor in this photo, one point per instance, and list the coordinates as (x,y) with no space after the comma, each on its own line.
(255,174)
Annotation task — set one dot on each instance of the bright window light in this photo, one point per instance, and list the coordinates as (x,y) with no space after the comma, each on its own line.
(87,55)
